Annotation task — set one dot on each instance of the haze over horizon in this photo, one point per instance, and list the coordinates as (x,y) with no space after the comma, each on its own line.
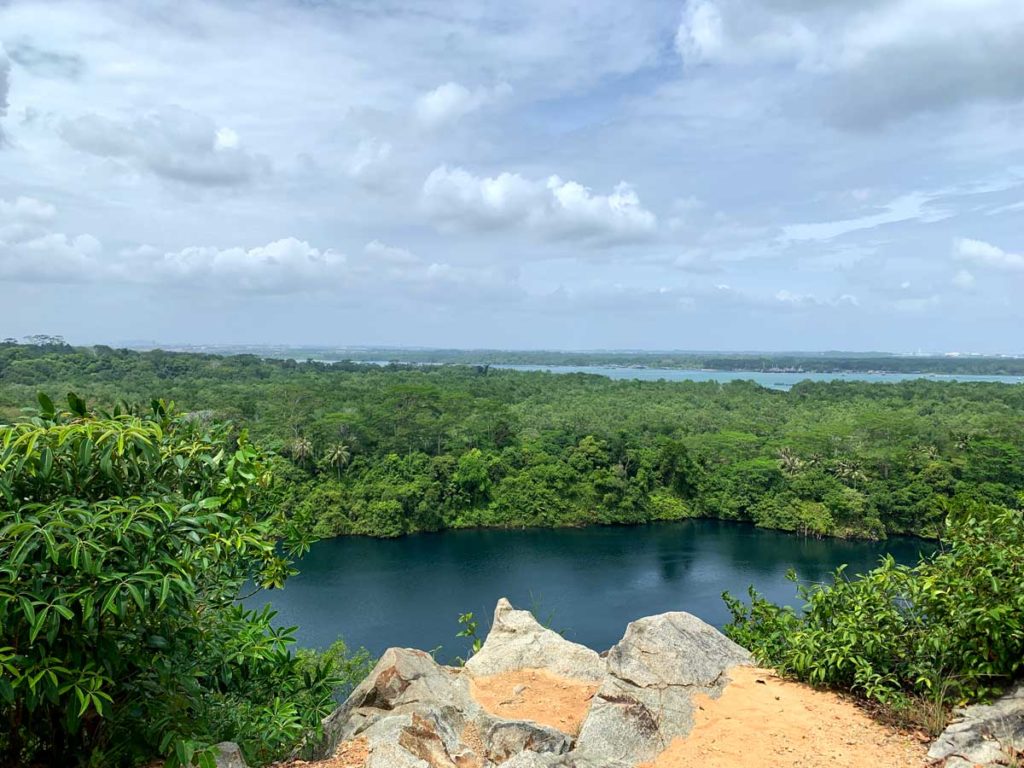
(696,174)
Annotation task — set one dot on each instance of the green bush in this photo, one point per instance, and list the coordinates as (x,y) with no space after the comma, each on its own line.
(125,540)
(950,628)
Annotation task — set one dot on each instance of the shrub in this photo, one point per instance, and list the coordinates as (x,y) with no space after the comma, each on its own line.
(125,540)
(950,627)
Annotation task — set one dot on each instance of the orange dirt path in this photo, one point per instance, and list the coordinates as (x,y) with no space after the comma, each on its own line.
(762,721)
(537,695)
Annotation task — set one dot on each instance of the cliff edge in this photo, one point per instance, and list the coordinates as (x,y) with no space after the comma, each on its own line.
(672,692)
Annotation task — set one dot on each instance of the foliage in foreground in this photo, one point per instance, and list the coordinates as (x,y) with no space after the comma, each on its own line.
(948,630)
(124,541)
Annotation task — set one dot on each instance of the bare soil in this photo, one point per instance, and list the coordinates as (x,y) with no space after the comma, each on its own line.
(763,721)
(537,695)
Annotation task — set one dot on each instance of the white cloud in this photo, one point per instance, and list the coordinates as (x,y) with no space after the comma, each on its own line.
(451,101)
(30,252)
(809,300)
(50,258)
(456,199)
(986,254)
(699,37)
(963,280)
(172,143)
(226,138)
(911,207)
(283,266)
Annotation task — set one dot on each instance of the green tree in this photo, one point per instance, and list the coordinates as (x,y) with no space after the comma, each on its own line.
(124,541)
(338,457)
(302,450)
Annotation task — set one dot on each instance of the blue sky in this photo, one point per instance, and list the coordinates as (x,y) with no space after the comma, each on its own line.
(705,174)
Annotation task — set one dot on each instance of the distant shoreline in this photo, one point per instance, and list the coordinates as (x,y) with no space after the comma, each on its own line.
(832,363)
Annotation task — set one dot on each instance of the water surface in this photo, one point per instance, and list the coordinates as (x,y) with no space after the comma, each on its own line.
(587,583)
(780,380)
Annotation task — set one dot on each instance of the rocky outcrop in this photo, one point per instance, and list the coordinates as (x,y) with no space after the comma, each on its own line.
(517,641)
(646,698)
(411,712)
(984,735)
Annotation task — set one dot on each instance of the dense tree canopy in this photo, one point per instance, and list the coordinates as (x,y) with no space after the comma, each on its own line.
(394,449)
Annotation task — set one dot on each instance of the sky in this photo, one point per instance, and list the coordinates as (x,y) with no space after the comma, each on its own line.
(557,174)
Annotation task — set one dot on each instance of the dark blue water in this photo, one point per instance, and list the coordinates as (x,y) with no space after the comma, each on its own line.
(587,583)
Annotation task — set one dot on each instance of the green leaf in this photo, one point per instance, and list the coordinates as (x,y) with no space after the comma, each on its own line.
(45,404)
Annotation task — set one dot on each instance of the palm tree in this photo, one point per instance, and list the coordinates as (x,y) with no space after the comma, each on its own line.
(790,462)
(302,450)
(848,471)
(338,456)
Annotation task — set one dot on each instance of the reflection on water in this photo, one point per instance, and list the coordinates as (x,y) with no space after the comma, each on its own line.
(590,582)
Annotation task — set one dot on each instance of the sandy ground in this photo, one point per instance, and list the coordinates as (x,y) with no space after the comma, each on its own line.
(350,754)
(761,721)
(537,695)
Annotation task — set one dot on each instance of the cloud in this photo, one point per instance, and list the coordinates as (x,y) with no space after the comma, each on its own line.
(455,199)
(29,251)
(910,207)
(282,266)
(390,255)
(46,63)
(988,255)
(451,101)
(963,280)
(26,209)
(5,87)
(700,37)
(879,61)
(807,300)
(172,143)
(370,164)
(22,219)
(1008,208)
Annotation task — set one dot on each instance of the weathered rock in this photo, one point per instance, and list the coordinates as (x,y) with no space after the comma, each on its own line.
(228,755)
(507,738)
(414,713)
(673,649)
(983,735)
(404,682)
(518,641)
(646,699)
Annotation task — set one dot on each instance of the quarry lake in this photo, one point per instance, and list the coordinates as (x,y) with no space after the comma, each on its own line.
(586,583)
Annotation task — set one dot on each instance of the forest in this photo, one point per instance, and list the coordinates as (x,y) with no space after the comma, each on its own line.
(395,449)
